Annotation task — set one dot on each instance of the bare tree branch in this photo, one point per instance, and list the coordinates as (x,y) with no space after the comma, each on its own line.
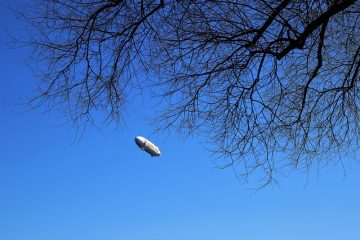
(273,85)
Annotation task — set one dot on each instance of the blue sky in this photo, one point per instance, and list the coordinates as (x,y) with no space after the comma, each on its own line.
(53,186)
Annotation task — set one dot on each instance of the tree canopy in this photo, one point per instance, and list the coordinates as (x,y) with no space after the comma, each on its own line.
(273,85)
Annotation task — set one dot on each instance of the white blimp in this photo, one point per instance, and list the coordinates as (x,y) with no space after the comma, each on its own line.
(147,146)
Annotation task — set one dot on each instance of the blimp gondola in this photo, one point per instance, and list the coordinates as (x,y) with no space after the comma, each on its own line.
(147,146)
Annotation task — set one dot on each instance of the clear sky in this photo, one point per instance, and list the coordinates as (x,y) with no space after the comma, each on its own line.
(104,188)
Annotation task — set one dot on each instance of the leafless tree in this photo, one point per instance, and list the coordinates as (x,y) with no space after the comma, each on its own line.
(273,85)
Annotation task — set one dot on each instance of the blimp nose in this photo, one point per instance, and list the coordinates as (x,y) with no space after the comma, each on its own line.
(140,141)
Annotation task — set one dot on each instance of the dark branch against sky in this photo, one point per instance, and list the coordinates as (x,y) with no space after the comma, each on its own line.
(273,85)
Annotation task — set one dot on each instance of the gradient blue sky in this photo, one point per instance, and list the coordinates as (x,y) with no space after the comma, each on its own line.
(104,188)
